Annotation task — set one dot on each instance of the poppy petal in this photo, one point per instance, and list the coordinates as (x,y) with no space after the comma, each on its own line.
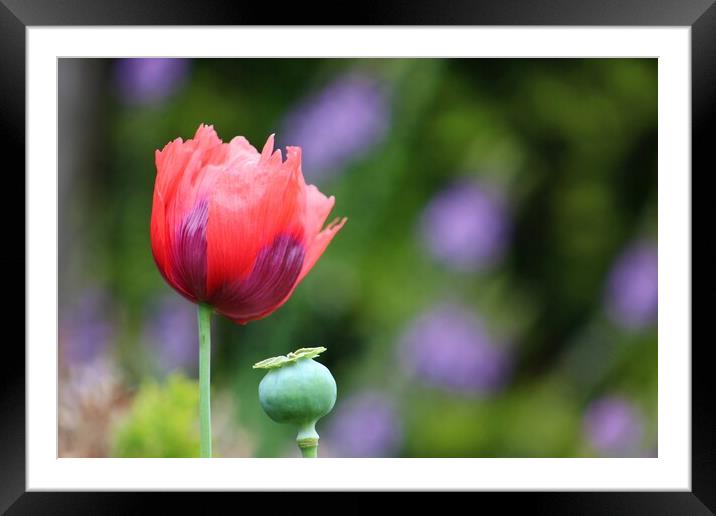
(188,252)
(319,245)
(272,278)
(248,209)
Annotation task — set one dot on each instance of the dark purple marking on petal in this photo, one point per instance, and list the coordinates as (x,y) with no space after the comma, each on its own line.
(273,276)
(189,251)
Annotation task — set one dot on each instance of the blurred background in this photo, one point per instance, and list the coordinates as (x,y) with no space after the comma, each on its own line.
(493,294)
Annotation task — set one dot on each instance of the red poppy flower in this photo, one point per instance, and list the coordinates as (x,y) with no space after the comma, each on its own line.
(234,228)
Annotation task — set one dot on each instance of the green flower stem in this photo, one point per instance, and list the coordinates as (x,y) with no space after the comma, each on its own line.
(310,452)
(307,440)
(204,319)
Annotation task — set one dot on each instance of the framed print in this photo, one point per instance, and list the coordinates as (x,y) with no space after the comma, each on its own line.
(445,250)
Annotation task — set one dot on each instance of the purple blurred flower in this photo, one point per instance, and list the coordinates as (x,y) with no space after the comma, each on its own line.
(466,226)
(632,287)
(449,347)
(87,330)
(614,427)
(345,119)
(364,425)
(170,331)
(149,80)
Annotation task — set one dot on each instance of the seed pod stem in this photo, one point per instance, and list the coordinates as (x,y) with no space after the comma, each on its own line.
(307,440)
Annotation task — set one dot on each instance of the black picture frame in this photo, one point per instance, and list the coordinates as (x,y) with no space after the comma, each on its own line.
(16,15)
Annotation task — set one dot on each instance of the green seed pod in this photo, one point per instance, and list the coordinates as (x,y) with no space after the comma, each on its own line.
(300,391)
